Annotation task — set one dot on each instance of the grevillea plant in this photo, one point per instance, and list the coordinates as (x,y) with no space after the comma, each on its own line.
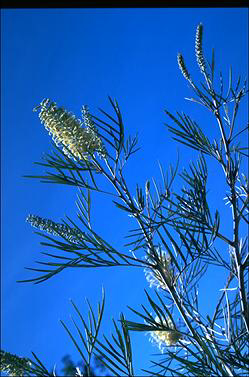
(176,240)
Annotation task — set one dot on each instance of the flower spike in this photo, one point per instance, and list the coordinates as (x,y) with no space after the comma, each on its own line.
(73,235)
(164,338)
(182,67)
(198,48)
(14,365)
(66,130)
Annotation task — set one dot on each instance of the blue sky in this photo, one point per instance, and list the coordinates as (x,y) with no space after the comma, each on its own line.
(76,57)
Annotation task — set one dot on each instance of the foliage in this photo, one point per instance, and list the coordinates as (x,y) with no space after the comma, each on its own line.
(178,234)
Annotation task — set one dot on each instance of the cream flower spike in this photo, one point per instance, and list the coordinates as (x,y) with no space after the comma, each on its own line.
(165,337)
(198,48)
(13,365)
(77,141)
(182,67)
(71,234)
